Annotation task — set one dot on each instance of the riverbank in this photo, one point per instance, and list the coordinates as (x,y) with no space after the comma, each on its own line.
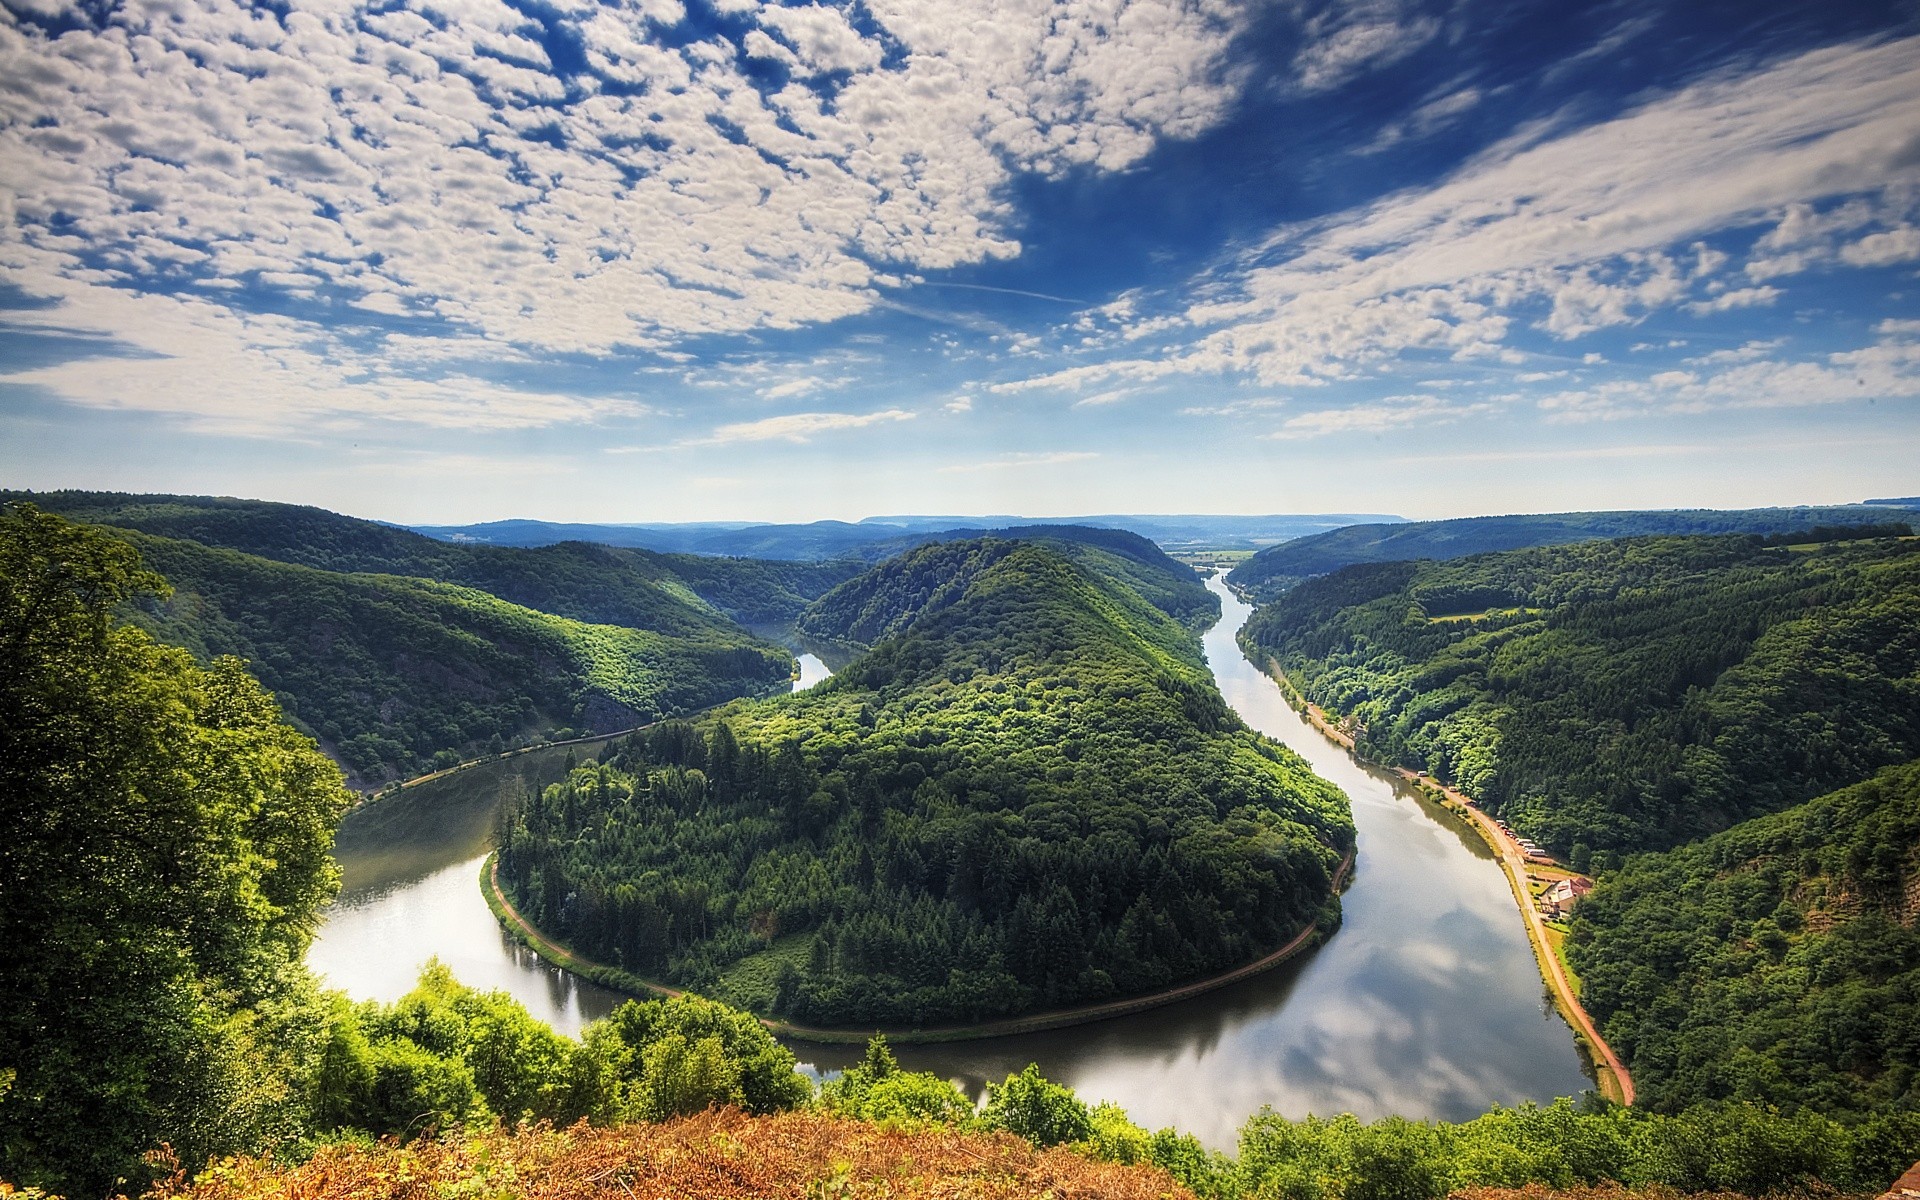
(1610,1074)
(561,956)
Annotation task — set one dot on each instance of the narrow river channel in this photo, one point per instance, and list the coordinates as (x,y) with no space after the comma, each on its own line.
(1426,1003)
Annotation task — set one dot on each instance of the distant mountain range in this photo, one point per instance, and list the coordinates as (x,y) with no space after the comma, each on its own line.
(1277,568)
(876,538)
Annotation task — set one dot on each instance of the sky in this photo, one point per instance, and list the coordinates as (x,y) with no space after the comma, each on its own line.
(676,260)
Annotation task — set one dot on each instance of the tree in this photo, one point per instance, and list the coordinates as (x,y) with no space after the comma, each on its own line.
(165,844)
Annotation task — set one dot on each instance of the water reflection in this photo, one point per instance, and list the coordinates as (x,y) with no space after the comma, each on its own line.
(1426,1003)
(812,671)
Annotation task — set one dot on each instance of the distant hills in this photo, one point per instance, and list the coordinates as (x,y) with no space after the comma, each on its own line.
(876,538)
(1273,570)
(401,653)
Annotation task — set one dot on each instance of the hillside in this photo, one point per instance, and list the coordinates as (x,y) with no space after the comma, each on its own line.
(1607,697)
(875,538)
(1273,570)
(679,595)
(394,674)
(1777,963)
(888,598)
(1027,795)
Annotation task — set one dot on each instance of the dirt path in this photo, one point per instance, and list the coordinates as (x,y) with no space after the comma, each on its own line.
(1614,1081)
(560,956)
(1514,861)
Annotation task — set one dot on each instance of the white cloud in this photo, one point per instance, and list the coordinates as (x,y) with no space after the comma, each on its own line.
(1392,412)
(1737,298)
(1888,368)
(1587,222)
(1883,249)
(432,163)
(959,404)
(1748,352)
(1021,461)
(800,427)
(1344,40)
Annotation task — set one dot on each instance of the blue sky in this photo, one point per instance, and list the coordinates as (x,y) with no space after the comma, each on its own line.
(706,259)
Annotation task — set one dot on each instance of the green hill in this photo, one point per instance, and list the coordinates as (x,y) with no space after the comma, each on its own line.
(890,597)
(682,594)
(1277,568)
(394,674)
(1776,963)
(1623,695)
(1027,795)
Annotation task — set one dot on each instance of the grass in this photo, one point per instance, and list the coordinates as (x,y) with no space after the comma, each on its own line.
(749,983)
(1557,941)
(1450,618)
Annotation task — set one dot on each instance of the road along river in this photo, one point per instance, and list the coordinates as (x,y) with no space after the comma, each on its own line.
(1426,1003)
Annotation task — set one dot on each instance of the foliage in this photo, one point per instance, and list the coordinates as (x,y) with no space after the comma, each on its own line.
(165,845)
(723,1155)
(389,671)
(1028,795)
(1776,963)
(1731,1148)
(445,1056)
(1280,567)
(674,595)
(1037,1109)
(1619,696)
(876,1089)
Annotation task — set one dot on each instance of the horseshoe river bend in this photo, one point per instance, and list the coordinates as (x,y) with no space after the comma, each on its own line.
(1426,1003)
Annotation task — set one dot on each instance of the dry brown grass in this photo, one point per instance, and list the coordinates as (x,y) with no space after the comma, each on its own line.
(723,1155)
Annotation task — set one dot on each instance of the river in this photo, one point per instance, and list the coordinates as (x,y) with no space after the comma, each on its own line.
(1427,1002)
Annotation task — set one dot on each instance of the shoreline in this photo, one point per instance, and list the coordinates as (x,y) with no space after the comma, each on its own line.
(561,956)
(1610,1075)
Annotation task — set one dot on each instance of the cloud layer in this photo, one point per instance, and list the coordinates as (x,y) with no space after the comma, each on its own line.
(694,173)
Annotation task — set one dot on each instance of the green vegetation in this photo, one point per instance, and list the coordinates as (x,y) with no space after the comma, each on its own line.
(1027,795)
(1777,963)
(397,675)
(1277,568)
(164,845)
(355,628)
(678,595)
(1666,689)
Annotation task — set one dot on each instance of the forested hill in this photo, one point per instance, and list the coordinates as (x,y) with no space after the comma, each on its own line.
(395,675)
(1273,570)
(1614,696)
(892,596)
(681,594)
(1776,963)
(1028,795)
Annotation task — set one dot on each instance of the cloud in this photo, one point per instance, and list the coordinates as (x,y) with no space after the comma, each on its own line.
(1015,462)
(1888,368)
(1598,226)
(1737,298)
(959,404)
(436,164)
(270,375)
(1344,40)
(800,427)
(1393,412)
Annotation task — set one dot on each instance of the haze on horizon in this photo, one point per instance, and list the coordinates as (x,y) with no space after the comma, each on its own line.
(463,260)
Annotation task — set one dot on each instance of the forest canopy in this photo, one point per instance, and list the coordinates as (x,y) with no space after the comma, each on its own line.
(1608,697)
(1777,963)
(1028,794)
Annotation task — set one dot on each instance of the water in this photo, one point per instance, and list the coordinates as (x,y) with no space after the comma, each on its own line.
(812,671)
(1426,1003)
